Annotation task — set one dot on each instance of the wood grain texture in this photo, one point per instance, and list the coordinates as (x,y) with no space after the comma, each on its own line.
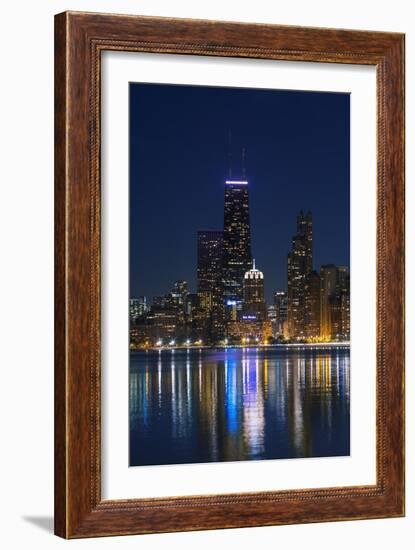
(79,40)
(60,277)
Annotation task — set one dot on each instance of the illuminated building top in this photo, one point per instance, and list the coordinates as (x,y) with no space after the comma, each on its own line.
(254,273)
(236,182)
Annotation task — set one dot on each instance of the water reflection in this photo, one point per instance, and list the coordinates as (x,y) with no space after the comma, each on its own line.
(238,404)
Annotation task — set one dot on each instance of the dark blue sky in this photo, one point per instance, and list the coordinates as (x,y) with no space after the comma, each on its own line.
(297,157)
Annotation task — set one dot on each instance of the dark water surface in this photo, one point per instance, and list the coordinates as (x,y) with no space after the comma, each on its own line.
(238,404)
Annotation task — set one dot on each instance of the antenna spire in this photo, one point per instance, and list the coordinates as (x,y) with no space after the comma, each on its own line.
(243,163)
(230,153)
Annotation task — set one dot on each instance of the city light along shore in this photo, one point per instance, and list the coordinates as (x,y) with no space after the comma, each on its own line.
(321,346)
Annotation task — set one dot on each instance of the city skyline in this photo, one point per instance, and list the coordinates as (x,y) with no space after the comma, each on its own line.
(229,305)
(173,199)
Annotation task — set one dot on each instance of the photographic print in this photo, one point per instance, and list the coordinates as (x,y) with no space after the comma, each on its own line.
(239,274)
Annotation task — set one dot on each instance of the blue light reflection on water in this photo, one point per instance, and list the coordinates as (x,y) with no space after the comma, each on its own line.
(189,406)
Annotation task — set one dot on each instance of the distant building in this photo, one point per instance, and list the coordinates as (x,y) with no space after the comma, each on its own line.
(157,324)
(344,299)
(312,305)
(299,265)
(272,318)
(335,303)
(328,276)
(209,281)
(191,306)
(345,317)
(163,323)
(180,291)
(281,313)
(138,307)
(209,260)
(254,306)
(196,318)
(159,301)
(249,331)
(175,301)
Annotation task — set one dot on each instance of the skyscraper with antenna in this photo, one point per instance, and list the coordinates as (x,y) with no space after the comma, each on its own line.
(237,256)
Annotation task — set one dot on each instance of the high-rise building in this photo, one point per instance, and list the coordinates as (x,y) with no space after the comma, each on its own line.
(343,277)
(254,307)
(299,265)
(345,316)
(281,312)
(209,262)
(209,281)
(328,301)
(334,303)
(344,302)
(237,257)
(305,231)
(312,305)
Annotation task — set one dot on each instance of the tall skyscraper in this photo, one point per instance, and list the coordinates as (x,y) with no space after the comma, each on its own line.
(209,279)
(305,231)
(299,265)
(237,257)
(254,307)
(209,261)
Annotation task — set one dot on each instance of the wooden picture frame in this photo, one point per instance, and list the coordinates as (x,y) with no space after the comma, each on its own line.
(79,40)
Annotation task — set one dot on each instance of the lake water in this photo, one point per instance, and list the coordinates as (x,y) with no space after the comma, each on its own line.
(189,406)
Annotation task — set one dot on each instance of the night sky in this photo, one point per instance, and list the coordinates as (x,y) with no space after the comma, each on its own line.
(297,157)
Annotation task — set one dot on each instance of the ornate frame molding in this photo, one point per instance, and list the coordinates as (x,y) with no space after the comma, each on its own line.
(79,40)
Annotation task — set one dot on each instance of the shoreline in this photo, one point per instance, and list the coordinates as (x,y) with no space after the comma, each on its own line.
(294,345)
